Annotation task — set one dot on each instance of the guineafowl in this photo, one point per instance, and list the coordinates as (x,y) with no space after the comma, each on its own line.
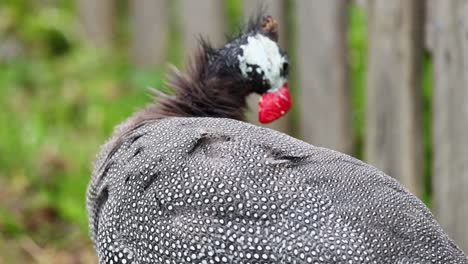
(185,180)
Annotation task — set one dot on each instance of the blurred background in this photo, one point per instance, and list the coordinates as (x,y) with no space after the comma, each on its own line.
(382,80)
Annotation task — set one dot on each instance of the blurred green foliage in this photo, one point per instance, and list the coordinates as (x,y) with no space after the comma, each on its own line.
(60,99)
(357,43)
(427,128)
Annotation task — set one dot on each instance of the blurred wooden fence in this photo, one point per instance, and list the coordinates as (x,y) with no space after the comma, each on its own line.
(397,34)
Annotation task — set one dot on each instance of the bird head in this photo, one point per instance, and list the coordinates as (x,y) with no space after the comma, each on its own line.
(255,60)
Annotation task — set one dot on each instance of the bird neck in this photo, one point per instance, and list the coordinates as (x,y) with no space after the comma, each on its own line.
(199,92)
(203,96)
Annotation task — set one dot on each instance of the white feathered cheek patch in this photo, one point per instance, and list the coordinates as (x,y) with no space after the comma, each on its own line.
(265,55)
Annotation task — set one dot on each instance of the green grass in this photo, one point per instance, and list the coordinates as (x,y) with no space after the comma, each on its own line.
(427,128)
(59,101)
(357,45)
(53,125)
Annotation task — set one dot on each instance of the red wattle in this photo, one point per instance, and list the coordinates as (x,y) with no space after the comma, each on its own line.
(273,105)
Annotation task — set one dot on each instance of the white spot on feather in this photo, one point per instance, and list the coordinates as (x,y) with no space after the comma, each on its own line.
(263,52)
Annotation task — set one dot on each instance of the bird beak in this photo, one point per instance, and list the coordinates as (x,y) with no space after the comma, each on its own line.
(274,104)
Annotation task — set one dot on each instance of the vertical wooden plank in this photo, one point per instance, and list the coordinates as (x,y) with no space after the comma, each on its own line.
(149,22)
(275,9)
(97,18)
(202,18)
(450,117)
(429,26)
(323,73)
(361,3)
(394,123)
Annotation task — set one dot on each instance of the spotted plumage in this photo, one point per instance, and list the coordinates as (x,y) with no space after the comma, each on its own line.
(213,190)
(183,182)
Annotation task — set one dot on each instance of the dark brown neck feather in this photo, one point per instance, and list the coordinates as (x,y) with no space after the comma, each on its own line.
(200,92)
